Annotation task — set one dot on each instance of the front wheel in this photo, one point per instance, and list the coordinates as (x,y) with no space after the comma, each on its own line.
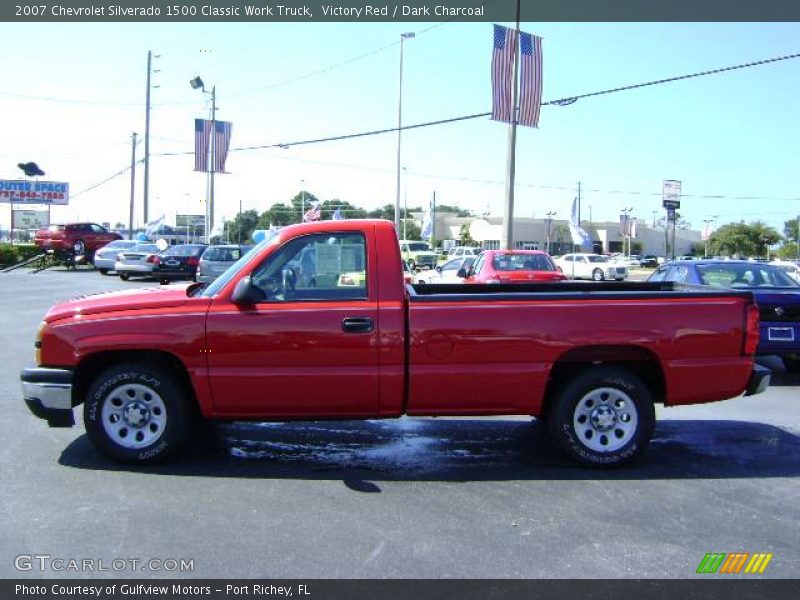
(79,248)
(137,413)
(603,418)
(597,275)
(124,276)
(103,271)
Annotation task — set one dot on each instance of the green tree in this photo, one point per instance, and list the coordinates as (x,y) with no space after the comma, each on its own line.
(741,239)
(242,227)
(788,251)
(791,231)
(278,214)
(464,237)
(459,212)
(348,211)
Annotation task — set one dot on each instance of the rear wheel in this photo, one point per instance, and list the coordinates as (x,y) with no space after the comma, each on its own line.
(597,275)
(124,276)
(164,282)
(603,418)
(78,248)
(137,413)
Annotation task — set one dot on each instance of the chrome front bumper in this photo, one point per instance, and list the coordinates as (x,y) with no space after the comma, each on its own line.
(48,394)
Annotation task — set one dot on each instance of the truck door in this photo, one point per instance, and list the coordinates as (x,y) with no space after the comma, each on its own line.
(309,345)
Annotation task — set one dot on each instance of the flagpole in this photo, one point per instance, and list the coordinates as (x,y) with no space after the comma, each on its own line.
(507,236)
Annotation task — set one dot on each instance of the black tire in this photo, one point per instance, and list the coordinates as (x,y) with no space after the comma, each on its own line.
(597,275)
(137,413)
(617,412)
(103,271)
(791,364)
(124,276)
(164,281)
(79,248)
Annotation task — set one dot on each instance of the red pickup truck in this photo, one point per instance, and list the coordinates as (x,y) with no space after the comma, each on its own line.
(282,337)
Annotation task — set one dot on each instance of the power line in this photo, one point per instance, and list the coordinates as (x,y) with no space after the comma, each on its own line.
(559,102)
(106,180)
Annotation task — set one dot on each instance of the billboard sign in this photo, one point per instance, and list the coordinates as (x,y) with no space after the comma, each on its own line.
(190,220)
(671,194)
(19,191)
(30,219)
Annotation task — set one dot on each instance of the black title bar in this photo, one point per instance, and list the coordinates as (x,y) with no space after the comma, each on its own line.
(264,11)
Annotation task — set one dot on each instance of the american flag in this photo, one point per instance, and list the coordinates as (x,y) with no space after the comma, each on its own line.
(222,141)
(202,133)
(505,48)
(337,215)
(313,214)
(530,101)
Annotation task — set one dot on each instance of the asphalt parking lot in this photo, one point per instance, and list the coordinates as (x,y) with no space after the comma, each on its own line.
(428,498)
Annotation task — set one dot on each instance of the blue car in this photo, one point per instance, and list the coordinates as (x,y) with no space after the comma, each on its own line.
(776,293)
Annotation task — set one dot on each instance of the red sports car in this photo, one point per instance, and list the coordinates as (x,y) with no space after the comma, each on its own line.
(514,266)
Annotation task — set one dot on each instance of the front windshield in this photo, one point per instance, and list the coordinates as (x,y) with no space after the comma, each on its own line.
(213,288)
(418,247)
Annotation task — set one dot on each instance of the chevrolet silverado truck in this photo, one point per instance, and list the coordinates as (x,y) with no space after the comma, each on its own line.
(261,343)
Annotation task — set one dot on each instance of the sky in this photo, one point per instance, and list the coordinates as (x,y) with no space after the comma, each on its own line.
(73,97)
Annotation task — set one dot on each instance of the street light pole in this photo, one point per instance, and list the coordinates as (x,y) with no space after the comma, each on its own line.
(133,183)
(198,84)
(405,205)
(626,230)
(550,216)
(403,36)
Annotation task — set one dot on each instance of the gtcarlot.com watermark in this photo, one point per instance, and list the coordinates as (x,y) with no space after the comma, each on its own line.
(58,564)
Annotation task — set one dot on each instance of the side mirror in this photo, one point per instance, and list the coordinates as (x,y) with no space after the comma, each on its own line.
(246,293)
(463,273)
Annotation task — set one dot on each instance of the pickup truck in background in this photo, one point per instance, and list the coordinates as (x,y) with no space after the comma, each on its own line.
(258,343)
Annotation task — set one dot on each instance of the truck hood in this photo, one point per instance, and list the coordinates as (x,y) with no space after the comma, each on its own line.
(140,299)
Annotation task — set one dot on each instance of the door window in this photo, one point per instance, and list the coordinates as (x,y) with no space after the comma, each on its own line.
(315,267)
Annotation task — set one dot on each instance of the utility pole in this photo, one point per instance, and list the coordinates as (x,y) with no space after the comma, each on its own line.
(133,184)
(507,236)
(579,204)
(147,138)
(213,166)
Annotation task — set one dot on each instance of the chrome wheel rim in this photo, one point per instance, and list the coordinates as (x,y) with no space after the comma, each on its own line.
(134,416)
(605,419)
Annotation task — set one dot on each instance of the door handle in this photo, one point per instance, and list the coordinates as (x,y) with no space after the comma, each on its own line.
(357,324)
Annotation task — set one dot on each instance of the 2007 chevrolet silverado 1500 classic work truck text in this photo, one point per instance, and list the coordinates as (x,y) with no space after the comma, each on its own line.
(317,323)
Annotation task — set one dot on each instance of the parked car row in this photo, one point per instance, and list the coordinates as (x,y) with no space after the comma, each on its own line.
(197,262)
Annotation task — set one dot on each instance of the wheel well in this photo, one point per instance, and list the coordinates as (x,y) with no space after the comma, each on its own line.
(638,361)
(94,364)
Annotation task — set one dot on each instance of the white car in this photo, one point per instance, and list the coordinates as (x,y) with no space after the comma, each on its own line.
(791,268)
(447,273)
(583,265)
